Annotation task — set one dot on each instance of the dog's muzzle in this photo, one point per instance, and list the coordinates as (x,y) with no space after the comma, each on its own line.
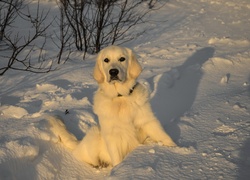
(114,74)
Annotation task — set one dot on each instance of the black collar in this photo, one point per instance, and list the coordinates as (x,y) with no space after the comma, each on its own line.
(130,91)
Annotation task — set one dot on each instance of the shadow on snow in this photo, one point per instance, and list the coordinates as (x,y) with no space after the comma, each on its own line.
(175,91)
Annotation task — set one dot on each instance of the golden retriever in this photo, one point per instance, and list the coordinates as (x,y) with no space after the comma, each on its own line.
(122,106)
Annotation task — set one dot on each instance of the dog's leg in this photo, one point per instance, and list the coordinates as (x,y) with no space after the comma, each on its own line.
(150,126)
(92,149)
(113,149)
(154,130)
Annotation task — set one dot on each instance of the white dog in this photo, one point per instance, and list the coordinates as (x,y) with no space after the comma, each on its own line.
(122,106)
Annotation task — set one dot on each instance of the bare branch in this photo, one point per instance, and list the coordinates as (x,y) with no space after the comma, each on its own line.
(23,46)
(98,23)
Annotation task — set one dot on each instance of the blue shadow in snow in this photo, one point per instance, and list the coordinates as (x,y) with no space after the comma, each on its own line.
(244,162)
(175,91)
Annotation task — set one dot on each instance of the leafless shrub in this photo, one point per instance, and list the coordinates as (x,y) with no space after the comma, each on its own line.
(21,46)
(8,13)
(98,23)
(64,37)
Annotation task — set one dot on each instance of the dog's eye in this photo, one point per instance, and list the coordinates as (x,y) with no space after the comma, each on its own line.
(106,60)
(122,59)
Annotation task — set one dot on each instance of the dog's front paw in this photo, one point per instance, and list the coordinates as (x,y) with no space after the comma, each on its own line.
(168,143)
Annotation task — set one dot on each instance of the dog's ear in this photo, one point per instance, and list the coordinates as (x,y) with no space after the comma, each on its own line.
(98,75)
(134,67)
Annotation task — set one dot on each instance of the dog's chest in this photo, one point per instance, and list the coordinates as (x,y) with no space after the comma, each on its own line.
(118,108)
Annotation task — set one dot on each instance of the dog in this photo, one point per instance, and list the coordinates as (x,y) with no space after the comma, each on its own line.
(123,109)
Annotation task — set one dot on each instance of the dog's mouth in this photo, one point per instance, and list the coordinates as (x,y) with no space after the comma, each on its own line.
(114,78)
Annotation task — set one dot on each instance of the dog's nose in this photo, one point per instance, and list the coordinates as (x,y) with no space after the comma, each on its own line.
(113,72)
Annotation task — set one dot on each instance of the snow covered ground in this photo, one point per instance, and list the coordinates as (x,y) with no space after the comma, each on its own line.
(196,60)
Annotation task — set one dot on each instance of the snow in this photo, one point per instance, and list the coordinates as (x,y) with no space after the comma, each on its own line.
(196,62)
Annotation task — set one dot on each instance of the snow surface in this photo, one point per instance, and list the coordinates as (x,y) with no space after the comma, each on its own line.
(196,60)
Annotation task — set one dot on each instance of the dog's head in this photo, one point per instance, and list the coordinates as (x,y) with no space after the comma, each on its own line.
(116,64)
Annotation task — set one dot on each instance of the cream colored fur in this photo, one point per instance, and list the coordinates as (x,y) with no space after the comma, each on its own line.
(122,106)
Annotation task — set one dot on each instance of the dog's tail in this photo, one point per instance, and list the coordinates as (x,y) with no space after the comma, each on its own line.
(59,129)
